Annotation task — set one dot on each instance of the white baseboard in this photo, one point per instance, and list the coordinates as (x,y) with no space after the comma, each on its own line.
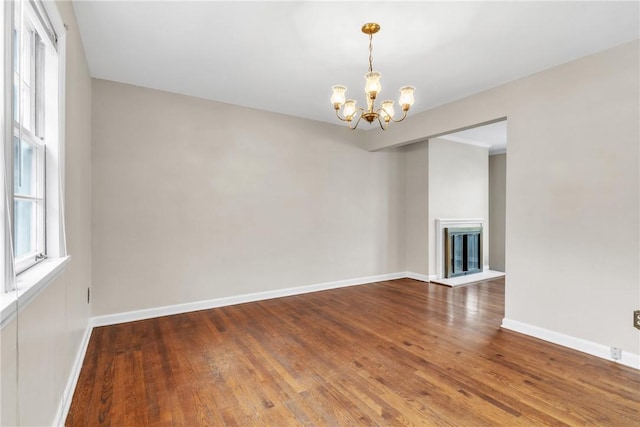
(599,350)
(65,403)
(418,276)
(149,313)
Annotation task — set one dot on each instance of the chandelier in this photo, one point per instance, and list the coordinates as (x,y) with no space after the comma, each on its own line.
(385,114)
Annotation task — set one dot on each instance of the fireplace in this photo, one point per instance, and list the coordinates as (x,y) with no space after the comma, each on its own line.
(462,251)
(440,255)
(464,237)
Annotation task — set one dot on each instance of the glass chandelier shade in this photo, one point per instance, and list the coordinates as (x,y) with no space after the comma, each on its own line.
(387,109)
(338,97)
(406,96)
(373,85)
(349,108)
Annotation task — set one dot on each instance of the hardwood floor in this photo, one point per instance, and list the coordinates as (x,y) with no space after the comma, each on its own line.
(400,352)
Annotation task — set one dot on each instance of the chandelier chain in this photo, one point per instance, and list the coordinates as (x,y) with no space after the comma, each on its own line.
(370,53)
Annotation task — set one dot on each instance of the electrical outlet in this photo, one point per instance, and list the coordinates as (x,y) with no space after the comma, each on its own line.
(636,319)
(616,353)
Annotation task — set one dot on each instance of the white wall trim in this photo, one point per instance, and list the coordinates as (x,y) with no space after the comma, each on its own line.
(599,350)
(72,381)
(418,276)
(149,313)
(441,224)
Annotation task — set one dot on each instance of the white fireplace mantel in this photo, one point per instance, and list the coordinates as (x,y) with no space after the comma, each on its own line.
(441,224)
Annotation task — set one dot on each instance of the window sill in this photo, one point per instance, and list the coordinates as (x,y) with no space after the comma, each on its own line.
(29,284)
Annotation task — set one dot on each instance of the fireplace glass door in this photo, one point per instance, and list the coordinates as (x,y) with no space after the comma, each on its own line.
(463,248)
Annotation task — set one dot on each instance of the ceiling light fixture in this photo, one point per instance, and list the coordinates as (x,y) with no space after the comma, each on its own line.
(372,88)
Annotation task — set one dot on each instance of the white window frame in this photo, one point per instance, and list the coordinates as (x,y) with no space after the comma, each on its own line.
(31,281)
(31,53)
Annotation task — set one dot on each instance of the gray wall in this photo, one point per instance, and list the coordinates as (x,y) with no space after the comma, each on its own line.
(417,207)
(458,188)
(572,176)
(561,181)
(572,179)
(497,209)
(195,200)
(44,341)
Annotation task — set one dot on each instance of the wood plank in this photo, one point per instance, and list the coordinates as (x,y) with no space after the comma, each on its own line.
(400,352)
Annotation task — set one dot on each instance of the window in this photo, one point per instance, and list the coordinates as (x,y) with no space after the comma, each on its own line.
(32,140)
(29,143)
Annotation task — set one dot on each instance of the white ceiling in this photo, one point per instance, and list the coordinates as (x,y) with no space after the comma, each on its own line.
(285,56)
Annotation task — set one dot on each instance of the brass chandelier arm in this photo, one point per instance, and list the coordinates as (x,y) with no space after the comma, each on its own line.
(359,118)
(404,115)
(350,121)
(380,113)
(339,117)
(384,125)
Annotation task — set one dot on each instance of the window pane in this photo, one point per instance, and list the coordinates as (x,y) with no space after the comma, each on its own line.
(16,43)
(16,110)
(26,113)
(27,76)
(24,168)
(38,87)
(25,227)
